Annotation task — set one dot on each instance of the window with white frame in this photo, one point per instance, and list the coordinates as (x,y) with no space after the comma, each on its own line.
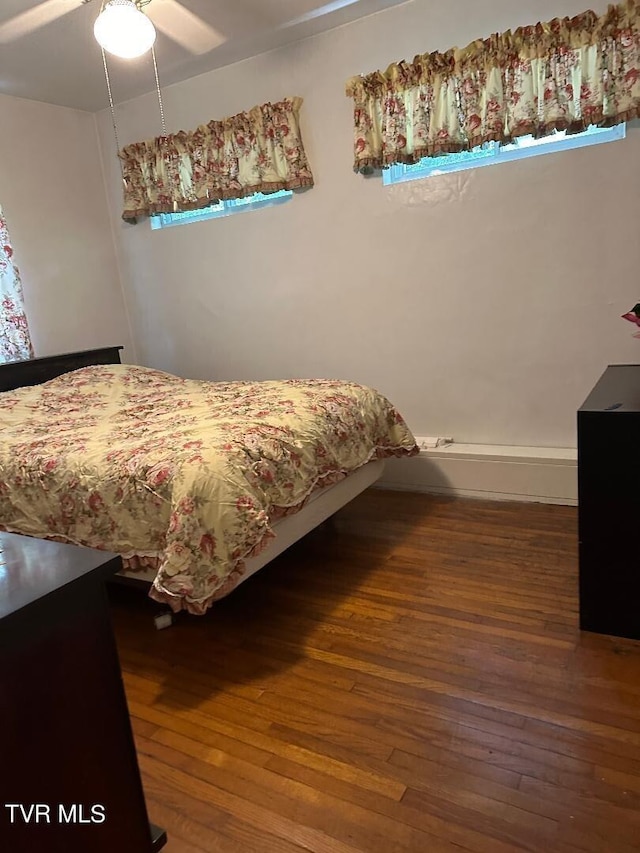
(222,208)
(493,152)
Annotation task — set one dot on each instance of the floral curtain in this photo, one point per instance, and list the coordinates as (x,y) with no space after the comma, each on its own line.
(256,151)
(15,342)
(566,75)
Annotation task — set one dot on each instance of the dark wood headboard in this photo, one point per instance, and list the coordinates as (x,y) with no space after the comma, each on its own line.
(34,371)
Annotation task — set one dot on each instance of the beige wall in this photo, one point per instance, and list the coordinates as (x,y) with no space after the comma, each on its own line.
(52,191)
(484,304)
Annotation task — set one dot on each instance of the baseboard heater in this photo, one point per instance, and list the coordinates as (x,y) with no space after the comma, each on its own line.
(498,472)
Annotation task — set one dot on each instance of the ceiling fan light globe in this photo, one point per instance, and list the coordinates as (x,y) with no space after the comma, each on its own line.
(123,30)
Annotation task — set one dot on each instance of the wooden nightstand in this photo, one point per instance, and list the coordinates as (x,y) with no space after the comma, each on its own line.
(66,746)
(609,504)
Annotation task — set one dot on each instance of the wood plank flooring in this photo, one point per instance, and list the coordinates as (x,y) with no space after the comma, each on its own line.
(409,677)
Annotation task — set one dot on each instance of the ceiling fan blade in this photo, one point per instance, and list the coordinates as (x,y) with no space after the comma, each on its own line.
(31,20)
(319,11)
(183,27)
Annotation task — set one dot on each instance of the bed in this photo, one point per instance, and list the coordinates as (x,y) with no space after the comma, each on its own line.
(195,484)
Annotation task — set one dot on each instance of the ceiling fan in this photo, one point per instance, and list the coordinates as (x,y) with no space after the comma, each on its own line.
(168,16)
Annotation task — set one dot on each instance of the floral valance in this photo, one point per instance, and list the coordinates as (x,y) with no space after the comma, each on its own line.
(15,342)
(256,151)
(563,75)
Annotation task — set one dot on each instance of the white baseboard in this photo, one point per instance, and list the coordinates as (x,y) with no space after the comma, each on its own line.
(540,474)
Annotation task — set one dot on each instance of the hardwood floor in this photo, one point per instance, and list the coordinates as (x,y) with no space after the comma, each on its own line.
(409,677)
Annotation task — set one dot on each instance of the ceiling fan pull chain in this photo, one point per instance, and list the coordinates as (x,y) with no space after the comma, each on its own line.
(113,111)
(155,69)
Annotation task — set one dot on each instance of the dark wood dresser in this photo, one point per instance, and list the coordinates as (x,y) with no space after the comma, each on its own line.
(69,778)
(609,504)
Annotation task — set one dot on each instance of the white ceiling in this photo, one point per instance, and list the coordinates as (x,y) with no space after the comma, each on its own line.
(48,52)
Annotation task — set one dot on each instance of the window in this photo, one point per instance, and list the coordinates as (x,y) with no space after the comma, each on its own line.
(222,208)
(494,152)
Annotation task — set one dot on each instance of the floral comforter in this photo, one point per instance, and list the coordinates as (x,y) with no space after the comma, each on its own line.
(180,474)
